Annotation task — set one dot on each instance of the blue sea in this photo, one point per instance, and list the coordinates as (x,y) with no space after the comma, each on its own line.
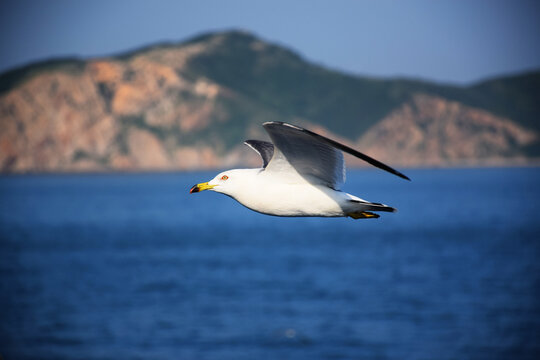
(133,267)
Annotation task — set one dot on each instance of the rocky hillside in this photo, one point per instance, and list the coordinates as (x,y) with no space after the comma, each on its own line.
(190,105)
(432,131)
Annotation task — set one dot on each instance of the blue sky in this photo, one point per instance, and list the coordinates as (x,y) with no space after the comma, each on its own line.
(447,41)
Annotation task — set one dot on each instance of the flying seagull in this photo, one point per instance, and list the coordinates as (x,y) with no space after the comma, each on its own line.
(300,176)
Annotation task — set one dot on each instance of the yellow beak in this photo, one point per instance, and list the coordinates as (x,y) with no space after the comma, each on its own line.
(201,187)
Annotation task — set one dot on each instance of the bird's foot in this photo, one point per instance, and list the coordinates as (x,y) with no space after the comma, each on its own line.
(363,215)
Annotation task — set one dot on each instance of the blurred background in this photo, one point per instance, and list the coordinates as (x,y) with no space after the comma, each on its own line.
(110,111)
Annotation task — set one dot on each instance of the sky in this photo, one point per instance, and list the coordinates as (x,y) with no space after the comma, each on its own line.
(459,41)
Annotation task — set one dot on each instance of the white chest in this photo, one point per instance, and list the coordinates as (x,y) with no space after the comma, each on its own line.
(291,199)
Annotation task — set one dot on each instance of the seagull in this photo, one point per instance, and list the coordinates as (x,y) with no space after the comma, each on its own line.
(300,175)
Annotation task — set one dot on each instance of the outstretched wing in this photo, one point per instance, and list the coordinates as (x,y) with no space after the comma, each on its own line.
(263,148)
(313,155)
(297,152)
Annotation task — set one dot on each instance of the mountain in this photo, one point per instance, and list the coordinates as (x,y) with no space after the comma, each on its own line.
(190,105)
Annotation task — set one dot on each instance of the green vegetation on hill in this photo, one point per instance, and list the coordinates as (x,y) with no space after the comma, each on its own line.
(284,83)
(347,105)
(12,78)
(516,97)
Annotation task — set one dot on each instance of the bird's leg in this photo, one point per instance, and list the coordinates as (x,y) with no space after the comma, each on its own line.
(362,215)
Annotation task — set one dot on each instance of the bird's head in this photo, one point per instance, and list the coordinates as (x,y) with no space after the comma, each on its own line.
(228,182)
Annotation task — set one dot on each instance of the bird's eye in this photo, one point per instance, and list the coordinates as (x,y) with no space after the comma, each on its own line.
(224,177)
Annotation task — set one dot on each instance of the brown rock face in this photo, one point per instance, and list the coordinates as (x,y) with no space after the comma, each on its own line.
(51,120)
(431,131)
(147,151)
(112,115)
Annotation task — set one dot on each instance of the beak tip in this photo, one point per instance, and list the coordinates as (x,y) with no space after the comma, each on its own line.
(194,189)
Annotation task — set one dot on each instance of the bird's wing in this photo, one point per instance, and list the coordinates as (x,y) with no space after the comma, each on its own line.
(313,155)
(298,152)
(263,148)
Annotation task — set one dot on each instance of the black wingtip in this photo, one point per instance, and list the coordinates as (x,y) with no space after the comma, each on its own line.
(391,170)
(403,176)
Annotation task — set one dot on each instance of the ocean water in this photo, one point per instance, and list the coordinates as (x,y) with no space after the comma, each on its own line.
(134,267)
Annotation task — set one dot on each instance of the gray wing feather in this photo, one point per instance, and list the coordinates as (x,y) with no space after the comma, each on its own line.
(312,158)
(313,154)
(263,148)
(358,154)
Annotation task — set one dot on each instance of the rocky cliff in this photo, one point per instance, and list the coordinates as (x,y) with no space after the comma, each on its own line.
(432,131)
(190,106)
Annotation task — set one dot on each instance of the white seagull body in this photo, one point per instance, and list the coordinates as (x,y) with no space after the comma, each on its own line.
(300,177)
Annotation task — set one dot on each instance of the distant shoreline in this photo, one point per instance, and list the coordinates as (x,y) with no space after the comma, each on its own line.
(465,166)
